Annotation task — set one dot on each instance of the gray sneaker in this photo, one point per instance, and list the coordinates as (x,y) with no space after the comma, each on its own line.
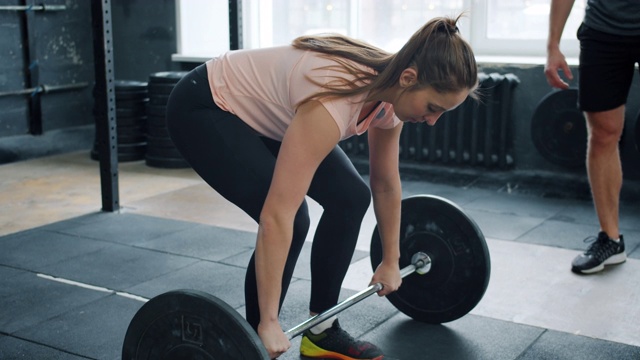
(603,251)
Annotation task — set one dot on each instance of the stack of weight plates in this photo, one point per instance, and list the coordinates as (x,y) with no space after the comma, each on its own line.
(131,120)
(161,152)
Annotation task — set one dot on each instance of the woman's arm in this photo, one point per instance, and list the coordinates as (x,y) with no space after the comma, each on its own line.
(387,196)
(311,136)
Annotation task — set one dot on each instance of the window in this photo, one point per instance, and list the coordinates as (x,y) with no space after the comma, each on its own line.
(493,27)
(509,27)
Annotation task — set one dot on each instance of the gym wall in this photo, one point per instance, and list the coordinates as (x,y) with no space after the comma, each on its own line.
(144,36)
(61,44)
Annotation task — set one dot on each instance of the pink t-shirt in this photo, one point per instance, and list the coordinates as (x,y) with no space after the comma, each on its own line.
(263,86)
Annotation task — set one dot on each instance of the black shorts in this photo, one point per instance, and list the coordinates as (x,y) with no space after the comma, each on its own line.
(607,63)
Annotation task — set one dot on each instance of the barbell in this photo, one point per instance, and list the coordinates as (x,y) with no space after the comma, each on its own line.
(445,268)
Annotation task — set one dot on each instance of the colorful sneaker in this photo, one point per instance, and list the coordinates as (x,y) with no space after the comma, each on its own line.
(603,251)
(335,343)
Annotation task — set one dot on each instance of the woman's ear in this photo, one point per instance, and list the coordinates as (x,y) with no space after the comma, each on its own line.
(408,77)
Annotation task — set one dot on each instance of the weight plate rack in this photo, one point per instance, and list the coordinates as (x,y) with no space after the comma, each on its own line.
(161,152)
(131,120)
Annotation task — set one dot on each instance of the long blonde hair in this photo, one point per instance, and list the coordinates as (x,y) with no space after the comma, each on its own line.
(442,58)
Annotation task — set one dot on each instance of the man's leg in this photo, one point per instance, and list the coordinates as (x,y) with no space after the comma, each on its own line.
(603,166)
(605,177)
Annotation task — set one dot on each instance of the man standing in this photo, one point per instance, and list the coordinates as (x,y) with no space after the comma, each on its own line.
(609,49)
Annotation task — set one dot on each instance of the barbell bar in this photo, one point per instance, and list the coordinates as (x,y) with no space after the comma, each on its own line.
(421,263)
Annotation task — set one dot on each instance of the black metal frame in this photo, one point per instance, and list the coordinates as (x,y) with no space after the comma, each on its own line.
(104,92)
(235,24)
(31,66)
(105,103)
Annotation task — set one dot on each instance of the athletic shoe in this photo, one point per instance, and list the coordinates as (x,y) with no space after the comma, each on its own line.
(603,251)
(335,343)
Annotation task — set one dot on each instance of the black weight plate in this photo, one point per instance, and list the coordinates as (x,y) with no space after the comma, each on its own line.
(637,132)
(164,152)
(166,163)
(460,268)
(163,142)
(130,85)
(132,148)
(157,131)
(188,324)
(130,112)
(132,103)
(132,139)
(559,130)
(157,121)
(131,157)
(158,100)
(129,121)
(167,77)
(95,155)
(156,110)
(160,89)
(131,95)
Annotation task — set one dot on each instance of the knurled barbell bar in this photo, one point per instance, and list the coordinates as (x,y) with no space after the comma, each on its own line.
(437,240)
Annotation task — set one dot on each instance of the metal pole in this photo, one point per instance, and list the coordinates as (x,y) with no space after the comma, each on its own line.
(32,7)
(105,103)
(420,261)
(32,68)
(235,24)
(44,89)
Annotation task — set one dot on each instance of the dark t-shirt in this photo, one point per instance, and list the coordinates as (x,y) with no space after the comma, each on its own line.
(617,17)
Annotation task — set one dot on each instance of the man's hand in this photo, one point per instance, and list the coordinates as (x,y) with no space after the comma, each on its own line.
(556,62)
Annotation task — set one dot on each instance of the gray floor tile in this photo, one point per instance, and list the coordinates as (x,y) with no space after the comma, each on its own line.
(460,196)
(518,205)
(7,272)
(571,235)
(629,220)
(554,345)
(470,337)
(12,348)
(223,281)
(559,234)
(28,300)
(36,249)
(503,226)
(632,242)
(127,228)
(203,242)
(95,330)
(118,266)
(584,213)
(91,218)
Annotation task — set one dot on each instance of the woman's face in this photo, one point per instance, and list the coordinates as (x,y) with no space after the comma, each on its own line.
(422,104)
(426,105)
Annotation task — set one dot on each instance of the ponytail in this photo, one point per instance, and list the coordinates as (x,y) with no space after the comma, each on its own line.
(442,58)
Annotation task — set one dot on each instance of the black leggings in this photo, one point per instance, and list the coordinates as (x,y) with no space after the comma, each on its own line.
(238,163)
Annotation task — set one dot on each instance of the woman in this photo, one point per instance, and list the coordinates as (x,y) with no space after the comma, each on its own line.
(262,128)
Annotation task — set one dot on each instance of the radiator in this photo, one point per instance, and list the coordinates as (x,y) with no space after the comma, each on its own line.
(477,133)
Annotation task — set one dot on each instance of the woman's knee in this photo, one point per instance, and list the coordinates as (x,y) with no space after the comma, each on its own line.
(301,225)
(354,201)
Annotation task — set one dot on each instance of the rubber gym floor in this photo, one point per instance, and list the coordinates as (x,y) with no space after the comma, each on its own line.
(65,265)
